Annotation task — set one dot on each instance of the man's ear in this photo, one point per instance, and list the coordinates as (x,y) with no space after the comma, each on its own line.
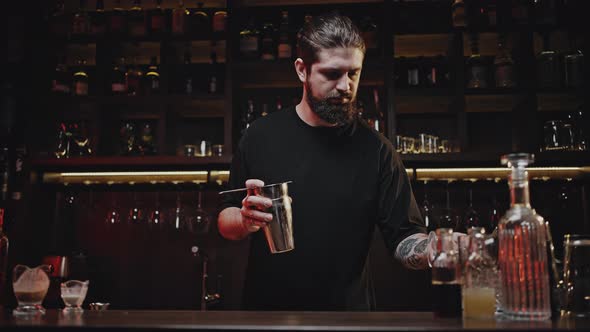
(301,70)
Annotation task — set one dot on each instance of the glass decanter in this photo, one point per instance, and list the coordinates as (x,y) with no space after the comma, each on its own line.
(522,255)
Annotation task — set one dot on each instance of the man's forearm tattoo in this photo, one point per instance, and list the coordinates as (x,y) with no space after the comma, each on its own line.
(411,252)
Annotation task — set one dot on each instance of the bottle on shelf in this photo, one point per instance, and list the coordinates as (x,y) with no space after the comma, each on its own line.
(152,78)
(98,22)
(61,78)
(81,21)
(80,79)
(504,66)
(478,72)
(219,21)
(284,50)
(458,13)
(137,20)
(200,22)
(414,74)
(147,143)
(249,41)
(59,24)
(520,12)
(118,79)
(180,17)
(574,65)
(522,244)
(133,78)
(117,20)
(157,20)
(267,42)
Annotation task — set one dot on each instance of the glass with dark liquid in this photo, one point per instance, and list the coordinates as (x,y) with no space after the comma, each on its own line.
(446,276)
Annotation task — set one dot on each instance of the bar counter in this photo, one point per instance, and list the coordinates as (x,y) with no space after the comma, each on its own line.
(272,321)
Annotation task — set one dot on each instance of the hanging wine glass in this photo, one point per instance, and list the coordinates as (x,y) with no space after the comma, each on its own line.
(447,218)
(156,217)
(426,209)
(471,218)
(177,216)
(136,212)
(202,219)
(113,215)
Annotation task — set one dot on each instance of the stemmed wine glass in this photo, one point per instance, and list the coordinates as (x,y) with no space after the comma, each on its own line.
(113,215)
(156,218)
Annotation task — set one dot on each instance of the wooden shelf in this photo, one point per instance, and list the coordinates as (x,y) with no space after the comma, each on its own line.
(565,102)
(490,103)
(217,100)
(419,104)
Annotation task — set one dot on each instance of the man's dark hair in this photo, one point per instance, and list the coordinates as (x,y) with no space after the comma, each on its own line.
(327,31)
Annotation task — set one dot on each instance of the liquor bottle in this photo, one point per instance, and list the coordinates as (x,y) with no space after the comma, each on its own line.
(80,79)
(81,21)
(458,13)
(58,20)
(284,49)
(147,141)
(133,78)
(413,75)
(446,276)
(152,78)
(219,21)
(179,19)
(117,20)
(61,78)
(187,79)
(118,81)
(158,20)
(249,39)
(98,23)
(574,65)
(520,11)
(137,20)
(200,22)
(478,72)
(504,72)
(267,42)
(522,245)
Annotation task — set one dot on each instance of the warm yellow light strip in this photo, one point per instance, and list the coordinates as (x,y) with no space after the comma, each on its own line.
(130,177)
(498,173)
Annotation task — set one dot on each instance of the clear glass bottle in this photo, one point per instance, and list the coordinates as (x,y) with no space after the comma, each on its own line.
(478,72)
(504,65)
(522,253)
(446,276)
(480,283)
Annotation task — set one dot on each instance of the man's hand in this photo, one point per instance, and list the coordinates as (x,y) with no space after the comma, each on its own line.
(237,223)
(253,206)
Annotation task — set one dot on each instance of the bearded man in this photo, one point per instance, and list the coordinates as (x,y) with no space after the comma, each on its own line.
(347,179)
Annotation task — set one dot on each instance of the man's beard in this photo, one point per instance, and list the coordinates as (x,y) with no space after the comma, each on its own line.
(337,114)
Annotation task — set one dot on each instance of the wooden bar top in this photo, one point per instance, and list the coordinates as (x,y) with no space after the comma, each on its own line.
(273,321)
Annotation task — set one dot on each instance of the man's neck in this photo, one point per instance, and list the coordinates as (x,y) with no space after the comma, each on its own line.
(307,115)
